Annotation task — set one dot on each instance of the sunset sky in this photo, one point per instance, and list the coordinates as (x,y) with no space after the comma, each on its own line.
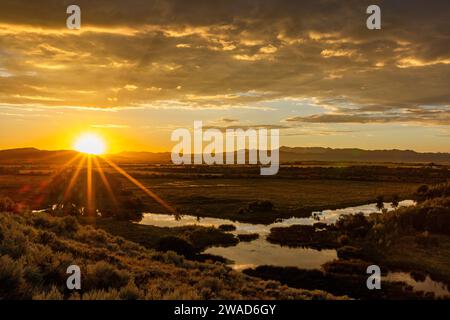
(139,69)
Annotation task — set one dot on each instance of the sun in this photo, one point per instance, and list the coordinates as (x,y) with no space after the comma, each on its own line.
(90,143)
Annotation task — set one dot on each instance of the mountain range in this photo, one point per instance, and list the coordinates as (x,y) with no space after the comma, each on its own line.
(287,155)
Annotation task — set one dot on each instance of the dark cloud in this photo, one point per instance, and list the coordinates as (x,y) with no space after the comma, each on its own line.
(438,116)
(228,54)
(228,120)
(248,127)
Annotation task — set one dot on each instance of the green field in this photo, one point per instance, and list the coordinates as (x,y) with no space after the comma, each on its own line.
(292,197)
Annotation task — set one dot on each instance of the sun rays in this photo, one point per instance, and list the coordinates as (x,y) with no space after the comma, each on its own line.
(92,163)
(105,182)
(147,191)
(88,157)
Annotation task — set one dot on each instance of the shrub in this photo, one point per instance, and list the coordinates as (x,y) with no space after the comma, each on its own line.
(68,224)
(104,276)
(349,252)
(15,245)
(355,225)
(10,278)
(257,206)
(7,205)
(261,206)
(177,245)
(214,285)
(379,202)
(42,221)
(395,201)
(425,193)
(302,236)
(112,294)
(53,294)
(431,215)
(202,238)
(227,227)
(320,225)
(248,237)
(131,292)
(46,237)
(33,275)
(352,266)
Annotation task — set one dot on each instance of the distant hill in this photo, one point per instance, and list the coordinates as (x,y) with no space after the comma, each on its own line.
(154,157)
(297,154)
(287,155)
(349,154)
(33,155)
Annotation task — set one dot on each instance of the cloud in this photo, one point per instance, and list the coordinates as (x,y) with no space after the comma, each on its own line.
(437,116)
(228,120)
(110,126)
(247,127)
(215,54)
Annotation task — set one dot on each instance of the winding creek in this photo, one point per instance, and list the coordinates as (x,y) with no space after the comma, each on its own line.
(261,252)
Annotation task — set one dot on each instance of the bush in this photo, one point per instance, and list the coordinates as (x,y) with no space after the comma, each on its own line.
(320,226)
(355,225)
(202,238)
(131,292)
(177,245)
(302,236)
(227,227)
(7,205)
(425,192)
(68,224)
(248,237)
(104,276)
(352,266)
(432,215)
(112,294)
(349,252)
(261,206)
(213,285)
(53,294)
(10,278)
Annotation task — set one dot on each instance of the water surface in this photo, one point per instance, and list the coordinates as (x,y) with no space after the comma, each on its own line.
(260,251)
(439,289)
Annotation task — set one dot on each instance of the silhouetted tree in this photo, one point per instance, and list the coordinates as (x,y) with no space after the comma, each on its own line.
(380,203)
(395,201)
